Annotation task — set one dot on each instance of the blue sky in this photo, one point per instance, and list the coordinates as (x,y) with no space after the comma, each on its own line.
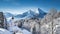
(24,5)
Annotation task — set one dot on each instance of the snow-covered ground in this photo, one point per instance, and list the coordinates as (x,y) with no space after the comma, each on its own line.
(4,31)
(17,29)
(13,29)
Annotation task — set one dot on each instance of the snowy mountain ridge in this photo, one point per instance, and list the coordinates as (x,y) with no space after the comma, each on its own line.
(27,14)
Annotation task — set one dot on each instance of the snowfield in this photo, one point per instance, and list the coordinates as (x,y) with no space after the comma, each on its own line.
(4,31)
(13,29)
(17,29)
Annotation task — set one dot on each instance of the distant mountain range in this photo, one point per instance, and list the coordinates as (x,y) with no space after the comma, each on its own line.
(7,15)
(28,14)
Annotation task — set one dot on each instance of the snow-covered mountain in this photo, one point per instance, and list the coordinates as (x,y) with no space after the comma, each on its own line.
(7,15)
(31,13)
(41,13)
(27,14)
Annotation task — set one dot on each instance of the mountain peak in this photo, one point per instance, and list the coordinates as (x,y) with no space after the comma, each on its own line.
(41,13)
